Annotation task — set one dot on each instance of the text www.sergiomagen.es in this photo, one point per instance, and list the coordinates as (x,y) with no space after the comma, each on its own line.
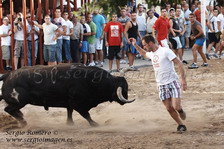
(37,136)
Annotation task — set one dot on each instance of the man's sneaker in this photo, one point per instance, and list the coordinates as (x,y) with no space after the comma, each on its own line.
(184,62)
(215,55)
(132,68)
(204,65)
(207,56)
(182,114)
(100,64)
(92,64)
(193,66)
(96,63)
(181,128)
(123,61)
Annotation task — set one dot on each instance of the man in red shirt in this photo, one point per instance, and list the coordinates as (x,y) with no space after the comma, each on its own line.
(113,37)
(198,12)
(162,27)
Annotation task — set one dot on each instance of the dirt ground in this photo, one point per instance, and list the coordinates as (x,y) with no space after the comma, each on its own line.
(143,124)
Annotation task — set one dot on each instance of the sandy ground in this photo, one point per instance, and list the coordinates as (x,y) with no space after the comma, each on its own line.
(144,124)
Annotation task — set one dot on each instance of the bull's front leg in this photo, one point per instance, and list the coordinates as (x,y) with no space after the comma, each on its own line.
(87,116)
(69,116)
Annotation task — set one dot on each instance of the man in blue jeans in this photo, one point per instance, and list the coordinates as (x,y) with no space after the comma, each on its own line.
(36,32)
(60,22)
(199,38)
(66,38)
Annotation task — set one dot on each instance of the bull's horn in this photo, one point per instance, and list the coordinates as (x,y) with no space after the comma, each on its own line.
(121,97)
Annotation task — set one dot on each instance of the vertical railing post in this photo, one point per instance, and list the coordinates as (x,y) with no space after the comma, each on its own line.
(32,33)
(1,62)
(25,33)
(61,5)
(12,36)
(39,13)
(54,7)
(69,9)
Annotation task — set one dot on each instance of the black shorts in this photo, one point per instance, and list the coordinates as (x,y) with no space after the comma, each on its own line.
(212,38)
(114,51)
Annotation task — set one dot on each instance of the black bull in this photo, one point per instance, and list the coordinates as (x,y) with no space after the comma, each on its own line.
(72,86)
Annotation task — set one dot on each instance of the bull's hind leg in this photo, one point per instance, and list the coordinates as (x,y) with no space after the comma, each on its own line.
(16,113)
(69,118)
(87,116)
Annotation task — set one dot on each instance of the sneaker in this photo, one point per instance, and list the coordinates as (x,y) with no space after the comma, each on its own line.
(182,115)
(219,57)
(132,68)
(181,128)
(96,63)
(109,71)
(207,56)
(92,64)
(100,64)
(184,62)
(8,69)
(215,55)
(193,66)
(204,65)
(123,61)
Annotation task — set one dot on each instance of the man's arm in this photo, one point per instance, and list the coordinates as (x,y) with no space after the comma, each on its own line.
(103,25)
(171,28)
(127,26)
(38,25)
(182,73)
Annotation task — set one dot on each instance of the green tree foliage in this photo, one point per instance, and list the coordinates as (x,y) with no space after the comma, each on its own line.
(220,2)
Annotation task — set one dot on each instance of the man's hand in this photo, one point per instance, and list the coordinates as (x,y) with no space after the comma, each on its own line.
(132,40)
(107,44)
(121,44)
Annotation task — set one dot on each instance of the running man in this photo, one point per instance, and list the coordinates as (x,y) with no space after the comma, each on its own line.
(163,60)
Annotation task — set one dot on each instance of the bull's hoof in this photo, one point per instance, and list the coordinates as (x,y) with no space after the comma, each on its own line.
(70,123)
(94,124)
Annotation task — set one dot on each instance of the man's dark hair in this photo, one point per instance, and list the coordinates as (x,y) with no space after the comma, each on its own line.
(192,14)
(149,38)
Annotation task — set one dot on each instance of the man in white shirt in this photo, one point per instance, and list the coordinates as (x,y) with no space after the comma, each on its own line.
(188,25)
(60,22)
(19,40)
(163,60)
(5,33)
(31,30)
(212,34)
(150,21)
(141,20)
(66,38)
(51,33)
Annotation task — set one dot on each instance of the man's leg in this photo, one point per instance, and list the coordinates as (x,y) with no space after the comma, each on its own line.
(194,52)
(131,58)
(173,113)
(202,54)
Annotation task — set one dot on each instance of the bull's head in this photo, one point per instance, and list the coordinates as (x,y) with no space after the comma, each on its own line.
(122,91)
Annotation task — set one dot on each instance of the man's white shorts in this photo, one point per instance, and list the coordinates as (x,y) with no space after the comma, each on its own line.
(164,43)
(99,44)
(177,39)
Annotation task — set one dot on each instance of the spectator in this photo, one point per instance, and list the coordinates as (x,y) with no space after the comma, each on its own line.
(150,21)
(212,32)
(86,32)
(162,27)
(123,19)
(175,33)
(91,39)
(131,31)
(220,28)
(76,39)
(188,25)
(51,33)
(19,43)
(113,36)
(141,21)
(182,24)
(193,7)
(178,7)
(32,30)
(66,38)
(60,22)
(198,12)
(99,20)
(5,33)
(199,38)
(154,11)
